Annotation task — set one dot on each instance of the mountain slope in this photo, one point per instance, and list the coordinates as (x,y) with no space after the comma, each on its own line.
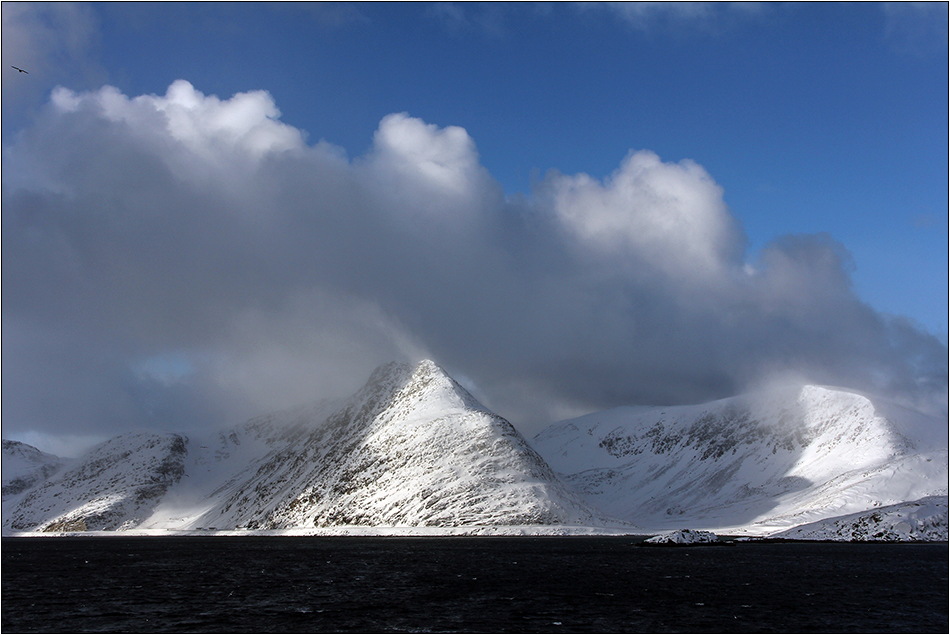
(761,462)
(411,448)
(24,466)
(922,520)
(114,486)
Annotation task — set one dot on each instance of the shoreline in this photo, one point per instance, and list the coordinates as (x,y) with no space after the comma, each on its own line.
(638,535)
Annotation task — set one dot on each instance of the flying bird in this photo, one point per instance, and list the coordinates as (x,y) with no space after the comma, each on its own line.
(21,70)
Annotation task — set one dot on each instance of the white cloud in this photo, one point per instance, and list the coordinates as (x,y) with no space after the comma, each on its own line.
(205,134)
(246,123)
(66,446)
(443,159)
(206,234)
(315,344)
(639,13)
(649,16)
(486,18)
(668,217)
(419,168)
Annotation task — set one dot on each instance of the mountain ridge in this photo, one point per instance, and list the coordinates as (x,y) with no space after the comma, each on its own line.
(24,466)
(763,461)
(413,448)
(410,448)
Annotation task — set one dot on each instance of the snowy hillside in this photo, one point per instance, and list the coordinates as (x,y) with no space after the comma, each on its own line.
(114,486)
(24,466)
(756,463)
(412,448)
(923,520)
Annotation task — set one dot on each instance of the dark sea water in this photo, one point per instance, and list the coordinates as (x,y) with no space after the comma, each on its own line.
(456,584)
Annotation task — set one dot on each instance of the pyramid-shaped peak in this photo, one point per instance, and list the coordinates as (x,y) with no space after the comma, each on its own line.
(394,376)
(428,372)
(426,381)
(430,367)
(398,374)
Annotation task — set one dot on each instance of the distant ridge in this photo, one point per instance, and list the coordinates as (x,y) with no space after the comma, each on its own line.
(414,450)
(113,487)
(24,466)
(762,462)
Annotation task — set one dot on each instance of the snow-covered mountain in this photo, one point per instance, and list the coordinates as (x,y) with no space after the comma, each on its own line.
(114,486)
(24,466)
(923,520)
(758,463)
(412,448)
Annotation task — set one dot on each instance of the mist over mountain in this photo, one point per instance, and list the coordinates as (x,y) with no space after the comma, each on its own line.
(112,487)
(414,449)
(766,460)
(23,466)
(180,259)
(411,448)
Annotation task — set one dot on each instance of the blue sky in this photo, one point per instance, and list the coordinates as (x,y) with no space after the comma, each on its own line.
(813,119)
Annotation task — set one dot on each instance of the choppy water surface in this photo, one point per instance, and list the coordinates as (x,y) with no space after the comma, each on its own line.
(544,584)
